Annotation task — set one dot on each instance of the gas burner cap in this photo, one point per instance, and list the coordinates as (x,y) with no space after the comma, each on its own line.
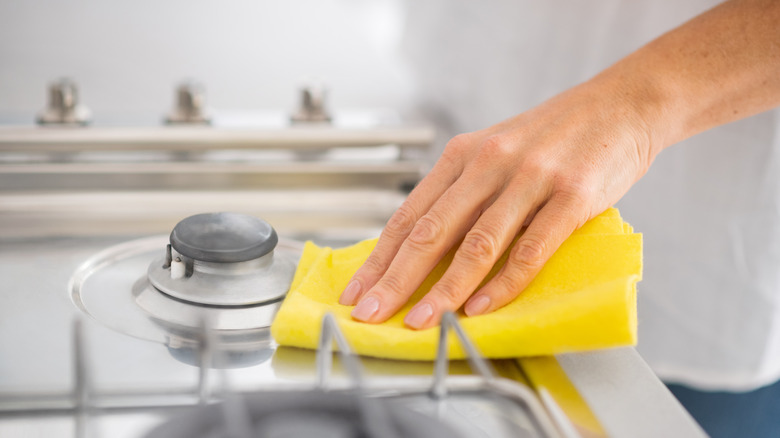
(276,414)
(223,237)
(223,259)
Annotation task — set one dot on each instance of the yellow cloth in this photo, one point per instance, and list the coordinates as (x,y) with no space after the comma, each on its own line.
(584,298)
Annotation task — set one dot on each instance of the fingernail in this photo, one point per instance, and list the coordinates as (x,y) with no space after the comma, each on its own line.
(478,305)
(419,315)
(366,309)
(350,294)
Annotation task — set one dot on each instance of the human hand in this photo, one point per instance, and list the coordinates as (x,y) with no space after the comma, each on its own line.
(546,171)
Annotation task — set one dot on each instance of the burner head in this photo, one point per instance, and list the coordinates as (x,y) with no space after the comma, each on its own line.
(223,237)
(223,259)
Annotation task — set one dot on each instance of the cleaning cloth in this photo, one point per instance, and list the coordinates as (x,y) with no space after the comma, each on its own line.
(584,298)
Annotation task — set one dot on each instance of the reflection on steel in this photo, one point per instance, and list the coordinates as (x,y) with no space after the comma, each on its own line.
(206,348)
(477,362)
(63,106)
(236,417)
(190,106)
(312,107)
(565,426)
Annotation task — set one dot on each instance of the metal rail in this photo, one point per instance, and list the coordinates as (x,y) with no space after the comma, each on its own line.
(194,138)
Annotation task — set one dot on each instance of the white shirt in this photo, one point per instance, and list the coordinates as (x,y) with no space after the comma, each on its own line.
(709,208)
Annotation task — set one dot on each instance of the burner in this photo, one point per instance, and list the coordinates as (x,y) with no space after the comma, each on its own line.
(305,414)
(234,273)
(222,259)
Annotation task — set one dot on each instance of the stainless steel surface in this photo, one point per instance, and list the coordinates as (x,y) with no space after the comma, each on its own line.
(80,177)
(135,377)
(340,215)
(190,107)
(615,383)
(63,107)
(312,107)
(137,384)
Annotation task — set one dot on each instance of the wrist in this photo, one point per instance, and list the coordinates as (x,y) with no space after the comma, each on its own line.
(649,106)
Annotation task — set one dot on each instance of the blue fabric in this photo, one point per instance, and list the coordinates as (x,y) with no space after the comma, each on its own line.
(754,414)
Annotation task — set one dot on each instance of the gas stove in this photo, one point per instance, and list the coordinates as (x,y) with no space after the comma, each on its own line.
(121,353)
(110,325)
(210,296)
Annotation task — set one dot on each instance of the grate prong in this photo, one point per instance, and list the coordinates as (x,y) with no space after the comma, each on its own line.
(441,367)
(374,418)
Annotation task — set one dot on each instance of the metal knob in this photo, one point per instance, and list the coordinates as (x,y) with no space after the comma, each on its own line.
(312,107)
(190,105)
(63,106)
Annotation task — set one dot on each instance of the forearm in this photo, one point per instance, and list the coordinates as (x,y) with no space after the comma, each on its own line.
(721,66)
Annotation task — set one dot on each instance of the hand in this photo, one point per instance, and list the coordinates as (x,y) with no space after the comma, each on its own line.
(554,167)
(549,169)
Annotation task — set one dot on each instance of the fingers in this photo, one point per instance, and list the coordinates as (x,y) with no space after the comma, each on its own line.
(479,251)
(433,235)
(431,188)
(553,224)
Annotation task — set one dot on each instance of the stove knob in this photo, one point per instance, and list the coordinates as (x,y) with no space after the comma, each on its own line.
(190,106)
(63,107)
(223,237)
(312,108)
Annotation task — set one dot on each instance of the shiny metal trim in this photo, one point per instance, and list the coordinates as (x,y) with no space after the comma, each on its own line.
(262,280)
(198,138)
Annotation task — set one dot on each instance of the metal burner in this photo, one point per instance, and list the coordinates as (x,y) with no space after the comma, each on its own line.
(223,259)
(114,287)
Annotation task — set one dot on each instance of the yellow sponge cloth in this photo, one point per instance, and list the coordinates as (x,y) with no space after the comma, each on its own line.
(584,298)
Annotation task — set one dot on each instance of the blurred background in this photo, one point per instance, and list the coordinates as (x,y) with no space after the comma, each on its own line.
(127,57)
(293,111)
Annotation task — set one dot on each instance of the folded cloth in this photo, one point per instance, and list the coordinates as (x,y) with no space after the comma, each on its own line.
(584,298)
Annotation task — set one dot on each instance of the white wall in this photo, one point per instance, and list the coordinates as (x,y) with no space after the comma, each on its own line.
(127,56)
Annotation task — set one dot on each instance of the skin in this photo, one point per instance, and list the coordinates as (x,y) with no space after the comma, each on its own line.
(549,170)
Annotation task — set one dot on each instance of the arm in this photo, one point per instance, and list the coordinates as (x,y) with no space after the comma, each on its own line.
(554,167)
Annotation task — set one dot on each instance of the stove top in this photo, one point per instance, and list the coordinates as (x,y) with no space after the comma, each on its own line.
(90,369)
